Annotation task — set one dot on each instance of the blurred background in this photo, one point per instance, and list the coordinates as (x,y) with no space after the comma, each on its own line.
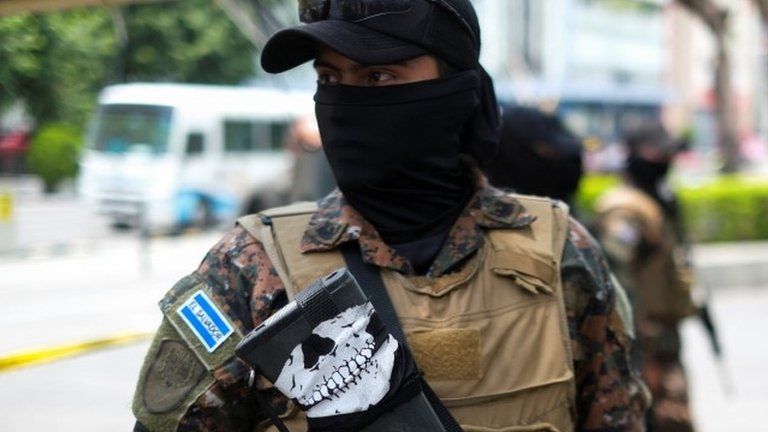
(133,133)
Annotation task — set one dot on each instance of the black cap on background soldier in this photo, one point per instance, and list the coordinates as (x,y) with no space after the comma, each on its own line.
(538,155)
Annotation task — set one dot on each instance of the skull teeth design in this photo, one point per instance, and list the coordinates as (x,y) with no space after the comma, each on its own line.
(340,368)
(341,378)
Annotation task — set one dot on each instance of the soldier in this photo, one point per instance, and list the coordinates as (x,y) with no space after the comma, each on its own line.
(312,178)
(510,310)
(538,155)
(638,225)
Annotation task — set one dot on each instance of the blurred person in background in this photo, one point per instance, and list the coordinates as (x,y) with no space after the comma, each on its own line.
(312,178)
(639,227)
(537,155)
(511,310)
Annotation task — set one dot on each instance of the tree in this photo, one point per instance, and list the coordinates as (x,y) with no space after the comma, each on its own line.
(187,41)
(55,63)
(716,20)
(53,154)
(762,7)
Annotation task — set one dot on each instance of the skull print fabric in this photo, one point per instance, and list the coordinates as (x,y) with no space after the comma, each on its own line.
(344,367)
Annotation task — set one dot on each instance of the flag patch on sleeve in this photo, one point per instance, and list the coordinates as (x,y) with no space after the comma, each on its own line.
(205,320)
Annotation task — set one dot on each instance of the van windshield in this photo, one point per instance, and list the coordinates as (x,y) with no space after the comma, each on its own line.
(132,129)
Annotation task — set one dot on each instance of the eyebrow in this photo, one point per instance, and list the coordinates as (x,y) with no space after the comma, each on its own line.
(355,66)
(325,64)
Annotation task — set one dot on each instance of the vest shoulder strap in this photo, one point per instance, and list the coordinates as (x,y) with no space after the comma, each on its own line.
(534,256)
(296,209)
(280,231)
(260,226)
(533,253)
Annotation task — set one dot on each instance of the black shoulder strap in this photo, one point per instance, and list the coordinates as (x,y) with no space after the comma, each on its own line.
(369,278)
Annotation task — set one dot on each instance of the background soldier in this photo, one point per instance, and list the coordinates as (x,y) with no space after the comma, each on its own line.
(510,310)
(311,176)
(537,155)
(639,227)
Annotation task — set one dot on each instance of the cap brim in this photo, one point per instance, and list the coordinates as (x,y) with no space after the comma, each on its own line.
(297,45)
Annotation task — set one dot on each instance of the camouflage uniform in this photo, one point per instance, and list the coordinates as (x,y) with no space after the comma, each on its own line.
(632,237)
(241,279)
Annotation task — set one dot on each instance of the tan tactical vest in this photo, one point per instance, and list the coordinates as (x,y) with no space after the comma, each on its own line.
(491,339)
(662,282)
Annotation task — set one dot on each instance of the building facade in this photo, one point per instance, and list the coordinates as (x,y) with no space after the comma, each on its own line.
(608,63)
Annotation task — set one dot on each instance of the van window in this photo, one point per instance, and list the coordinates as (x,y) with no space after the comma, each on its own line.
(243,136)
(279,132)
(195,143)
(132,128)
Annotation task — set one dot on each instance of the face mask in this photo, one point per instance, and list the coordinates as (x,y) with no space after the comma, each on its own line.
(645,173)
(649,176)
(395,151)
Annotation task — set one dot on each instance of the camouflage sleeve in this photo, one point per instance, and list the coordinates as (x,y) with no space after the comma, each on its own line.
(188,386)
(610,396)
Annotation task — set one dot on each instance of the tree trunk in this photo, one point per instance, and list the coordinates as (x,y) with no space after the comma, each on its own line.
(716,20)
(724,109)
(120,72)
(762,8)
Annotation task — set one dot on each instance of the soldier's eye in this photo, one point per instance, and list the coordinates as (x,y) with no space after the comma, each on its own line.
(326,79)
(380,77)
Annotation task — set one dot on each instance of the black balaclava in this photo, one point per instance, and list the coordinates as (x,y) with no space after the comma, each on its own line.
(650,175)
(537,155)
(395,151)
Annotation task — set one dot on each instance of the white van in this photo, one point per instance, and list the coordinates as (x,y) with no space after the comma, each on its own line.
(171,155)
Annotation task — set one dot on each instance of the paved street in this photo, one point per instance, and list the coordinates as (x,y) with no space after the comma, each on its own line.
(65,299)
(741,314)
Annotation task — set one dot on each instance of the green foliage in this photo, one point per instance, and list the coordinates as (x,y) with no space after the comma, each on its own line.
(57,62)
(590,189)
(54,152)
(728,208)
(189,41)
(648,6)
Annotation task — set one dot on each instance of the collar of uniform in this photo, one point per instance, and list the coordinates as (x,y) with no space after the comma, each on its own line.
(336,222)
(489,209)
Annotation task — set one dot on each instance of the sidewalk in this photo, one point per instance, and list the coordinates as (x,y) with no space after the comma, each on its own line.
(732,264)
(41,225)
(23,187)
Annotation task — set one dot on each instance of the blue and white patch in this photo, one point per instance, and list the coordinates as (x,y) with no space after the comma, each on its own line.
(205,320)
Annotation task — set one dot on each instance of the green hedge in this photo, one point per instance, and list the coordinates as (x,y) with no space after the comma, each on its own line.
(727,208)
(53,153)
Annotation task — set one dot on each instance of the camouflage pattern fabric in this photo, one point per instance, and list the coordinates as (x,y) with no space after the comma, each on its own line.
(658,348)
(663,371)
(245,284)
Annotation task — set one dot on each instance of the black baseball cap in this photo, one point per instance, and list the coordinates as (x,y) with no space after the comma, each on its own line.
(378,32)
(652,133)
(525,127)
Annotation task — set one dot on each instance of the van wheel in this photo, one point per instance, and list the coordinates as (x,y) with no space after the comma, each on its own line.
(203,217)
(120,225)
(254,205)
